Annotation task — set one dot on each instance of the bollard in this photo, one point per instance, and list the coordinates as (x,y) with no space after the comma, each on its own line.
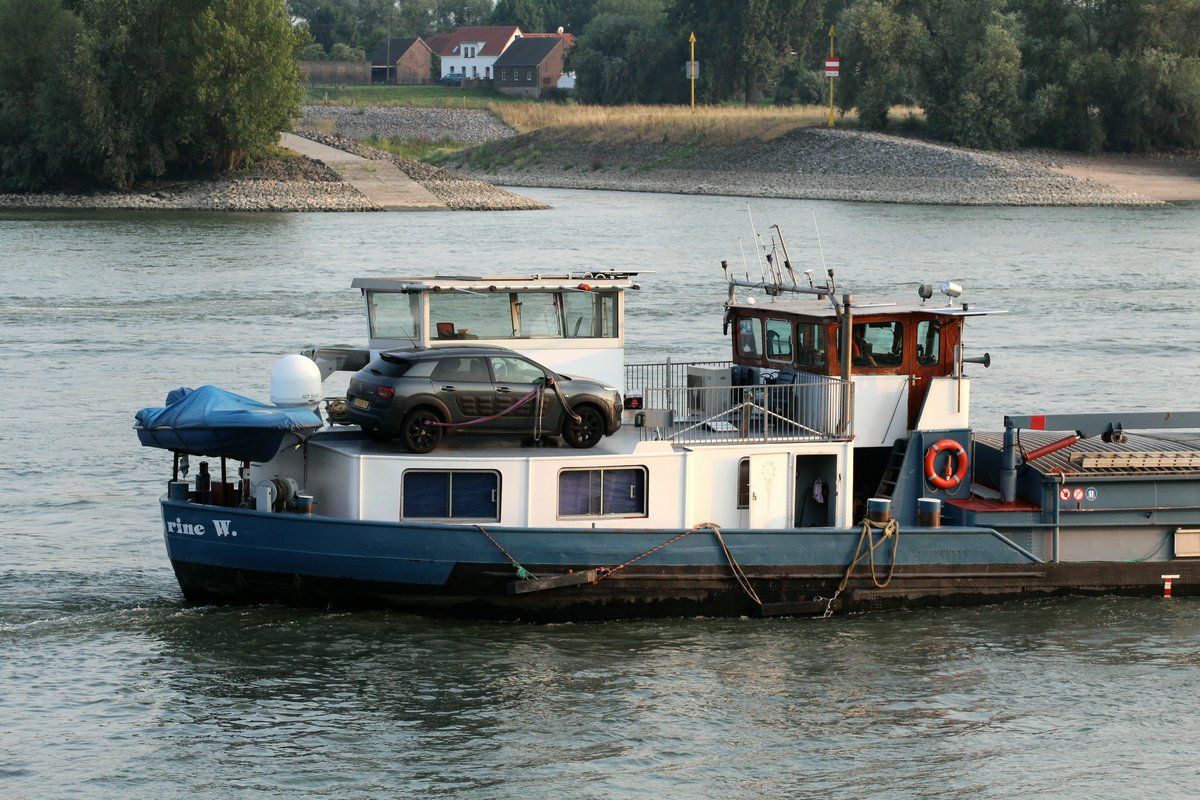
(929,512)
(879,510)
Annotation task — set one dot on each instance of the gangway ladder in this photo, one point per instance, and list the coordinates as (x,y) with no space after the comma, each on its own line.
(891,473)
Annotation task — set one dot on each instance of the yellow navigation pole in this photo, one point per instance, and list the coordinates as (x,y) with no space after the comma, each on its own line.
(692,68)
(832,73)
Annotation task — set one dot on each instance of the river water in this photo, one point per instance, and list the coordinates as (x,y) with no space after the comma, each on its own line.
(111,687)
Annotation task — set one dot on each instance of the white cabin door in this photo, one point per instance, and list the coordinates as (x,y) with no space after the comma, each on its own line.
(769,490)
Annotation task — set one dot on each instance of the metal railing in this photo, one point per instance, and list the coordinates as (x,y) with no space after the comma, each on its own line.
(810,409)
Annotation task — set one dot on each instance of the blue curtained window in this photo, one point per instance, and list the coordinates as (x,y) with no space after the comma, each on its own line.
(602,492)
(451,495)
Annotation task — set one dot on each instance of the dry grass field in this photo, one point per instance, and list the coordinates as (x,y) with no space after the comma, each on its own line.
(712,125)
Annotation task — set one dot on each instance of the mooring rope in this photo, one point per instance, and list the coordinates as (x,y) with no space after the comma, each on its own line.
(891,530)
(606,572)
(738,573)
(522,573)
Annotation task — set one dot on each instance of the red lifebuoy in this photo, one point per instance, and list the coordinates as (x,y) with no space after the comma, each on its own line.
(958,458)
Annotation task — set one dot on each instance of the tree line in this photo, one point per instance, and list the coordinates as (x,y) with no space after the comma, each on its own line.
(1073,74)
(108,92)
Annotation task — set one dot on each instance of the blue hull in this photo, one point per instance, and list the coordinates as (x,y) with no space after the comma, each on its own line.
(231,555)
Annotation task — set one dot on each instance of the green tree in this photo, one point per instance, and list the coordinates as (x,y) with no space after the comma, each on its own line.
(40,135)
(528,15)
(742,43)
(247,82)
(627,60)
(879,47)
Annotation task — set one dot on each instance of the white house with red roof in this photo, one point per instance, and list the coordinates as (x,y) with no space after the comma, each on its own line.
(472,51)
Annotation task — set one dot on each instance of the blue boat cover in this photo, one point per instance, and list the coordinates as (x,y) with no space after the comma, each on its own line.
(213,422)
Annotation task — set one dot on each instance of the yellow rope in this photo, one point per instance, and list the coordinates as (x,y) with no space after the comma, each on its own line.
(891,530)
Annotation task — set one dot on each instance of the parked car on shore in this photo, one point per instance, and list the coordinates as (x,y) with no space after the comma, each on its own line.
(452,79)
(418,394)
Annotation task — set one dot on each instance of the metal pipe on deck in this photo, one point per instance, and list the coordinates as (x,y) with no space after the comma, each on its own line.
(1045,450)
(1008,465)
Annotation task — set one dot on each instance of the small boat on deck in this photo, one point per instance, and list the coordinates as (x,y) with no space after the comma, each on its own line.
(825,464)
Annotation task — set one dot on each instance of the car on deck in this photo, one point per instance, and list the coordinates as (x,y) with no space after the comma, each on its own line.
(418,394)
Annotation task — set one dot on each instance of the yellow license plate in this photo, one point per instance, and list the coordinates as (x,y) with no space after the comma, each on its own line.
(362,402)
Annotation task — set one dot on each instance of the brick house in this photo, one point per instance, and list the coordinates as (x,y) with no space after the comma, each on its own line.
(530,67)
(407,60)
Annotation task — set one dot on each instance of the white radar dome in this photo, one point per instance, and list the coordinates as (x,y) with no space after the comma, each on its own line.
(295,381)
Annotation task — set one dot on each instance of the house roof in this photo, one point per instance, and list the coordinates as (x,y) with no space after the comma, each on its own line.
(397,49)
(528,51)
(437,41)
(568,38)
(492,39)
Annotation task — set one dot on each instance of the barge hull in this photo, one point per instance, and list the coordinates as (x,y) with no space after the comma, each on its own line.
(483,592)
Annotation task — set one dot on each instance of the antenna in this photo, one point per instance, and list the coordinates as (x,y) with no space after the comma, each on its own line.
(820,247)
(787,260)
(762,270)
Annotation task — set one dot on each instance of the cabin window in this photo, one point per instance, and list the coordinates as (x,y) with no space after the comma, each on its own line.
(810,345)
(743,483)
(929,342)
(749,333)
(602,492)
(504,74)
(528,74)
(779,340)
(394,315)
(450,495)
(877,344)
(525,315)
(590,315)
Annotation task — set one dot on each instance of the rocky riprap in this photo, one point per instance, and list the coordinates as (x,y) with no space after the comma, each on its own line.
(286,184)
(806,163)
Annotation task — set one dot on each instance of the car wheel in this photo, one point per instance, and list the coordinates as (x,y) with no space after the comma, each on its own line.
(417,432)
(588,431)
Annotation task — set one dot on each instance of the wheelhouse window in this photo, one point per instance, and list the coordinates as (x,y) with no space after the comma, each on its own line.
(810,346)
(523,315)
(877,344)
(779,340)
(749,342)
(929,342)
(450,495)
(617,492)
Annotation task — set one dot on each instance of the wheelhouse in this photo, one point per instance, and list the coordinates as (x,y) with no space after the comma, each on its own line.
(897,352)
(572,323)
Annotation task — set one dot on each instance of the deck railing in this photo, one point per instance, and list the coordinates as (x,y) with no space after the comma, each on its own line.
(810,408)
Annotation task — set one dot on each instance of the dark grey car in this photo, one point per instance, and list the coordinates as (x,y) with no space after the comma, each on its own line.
(418,394)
